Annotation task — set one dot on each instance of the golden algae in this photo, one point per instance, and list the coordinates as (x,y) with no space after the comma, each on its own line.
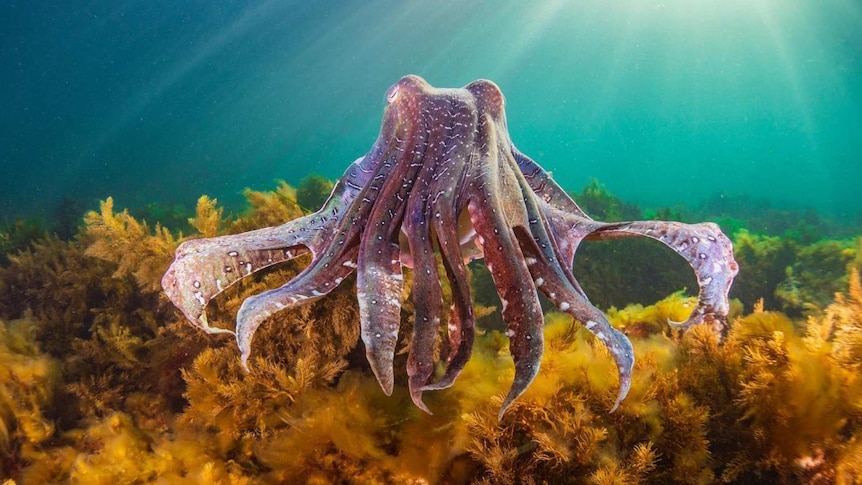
(29,383)
(147,399)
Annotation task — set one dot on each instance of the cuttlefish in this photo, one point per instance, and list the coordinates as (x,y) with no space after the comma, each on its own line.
(443,179)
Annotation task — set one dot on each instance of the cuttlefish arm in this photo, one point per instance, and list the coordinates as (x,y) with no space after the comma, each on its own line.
(558,284)
(204,268)
(707,250)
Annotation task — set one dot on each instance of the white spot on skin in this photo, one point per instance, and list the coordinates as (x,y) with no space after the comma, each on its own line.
(565,306)
(218,285)
(248,267)
(591,324)
(200,298)
(349,264)
(317,293)
(338,281)
(530,261)
(600,336)
(510,333)
(539,282)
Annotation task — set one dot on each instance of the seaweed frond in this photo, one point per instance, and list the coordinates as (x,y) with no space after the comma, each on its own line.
(638,320)
(29,381)
(121,239)
(208,217)
(313,191)
(269,208)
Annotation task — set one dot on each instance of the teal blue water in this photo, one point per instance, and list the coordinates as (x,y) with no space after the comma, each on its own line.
(665,102)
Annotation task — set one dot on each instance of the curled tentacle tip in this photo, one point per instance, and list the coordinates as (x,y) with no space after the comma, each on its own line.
(436,386)
(417,400)
(416,394)
(503,410)
(624,391)
(501,413)
(620,397)
(202,322)
(505,407)
(697,317)
(625,385)
(244,362)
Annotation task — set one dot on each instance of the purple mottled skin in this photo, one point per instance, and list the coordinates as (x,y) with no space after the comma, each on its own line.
(443,177)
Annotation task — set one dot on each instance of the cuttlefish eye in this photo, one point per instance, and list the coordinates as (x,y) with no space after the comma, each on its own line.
(392,93)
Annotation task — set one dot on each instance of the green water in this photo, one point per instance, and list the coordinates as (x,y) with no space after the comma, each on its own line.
(665,102)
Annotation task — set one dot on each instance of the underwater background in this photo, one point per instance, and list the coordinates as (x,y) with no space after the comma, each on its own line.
(665,102)
(127,127)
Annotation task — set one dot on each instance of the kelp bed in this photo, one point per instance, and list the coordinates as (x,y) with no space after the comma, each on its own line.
(102,381)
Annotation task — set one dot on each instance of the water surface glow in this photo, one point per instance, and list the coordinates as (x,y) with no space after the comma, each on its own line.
(665,102)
